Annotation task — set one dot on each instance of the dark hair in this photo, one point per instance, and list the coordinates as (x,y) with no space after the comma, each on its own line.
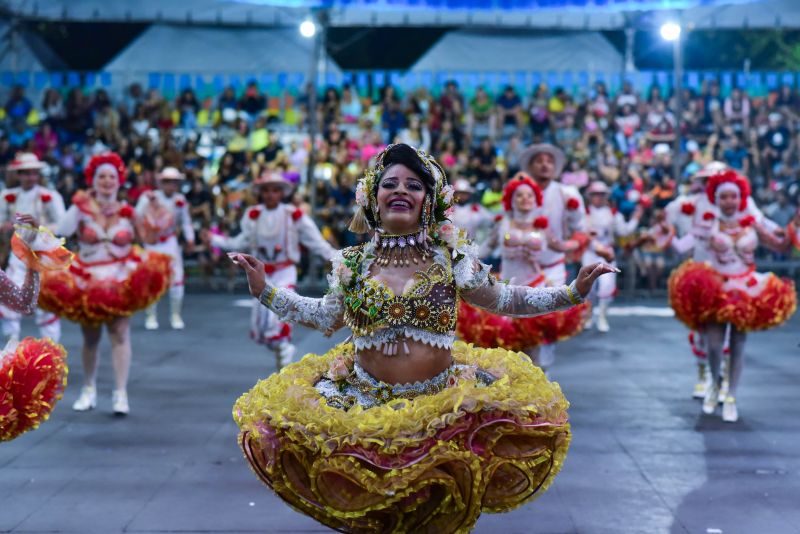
(402,154)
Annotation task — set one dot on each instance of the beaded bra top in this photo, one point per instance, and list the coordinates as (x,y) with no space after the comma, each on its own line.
(376,315)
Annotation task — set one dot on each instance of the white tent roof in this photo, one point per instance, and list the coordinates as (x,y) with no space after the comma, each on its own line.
(577,15)
(195,50)
(29,52)
(470,50)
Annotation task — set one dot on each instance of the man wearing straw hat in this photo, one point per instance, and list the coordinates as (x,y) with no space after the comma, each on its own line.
(273,232)
(564,209)
(47,207)
(160,214)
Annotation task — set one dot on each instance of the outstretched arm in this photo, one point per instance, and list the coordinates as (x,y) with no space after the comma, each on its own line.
(524,301)
(325,314)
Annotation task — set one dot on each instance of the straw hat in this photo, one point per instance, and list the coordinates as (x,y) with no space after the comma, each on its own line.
(530,153)
(26,161)
(170,173)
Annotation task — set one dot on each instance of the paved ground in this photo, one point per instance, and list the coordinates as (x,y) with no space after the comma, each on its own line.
(642,458)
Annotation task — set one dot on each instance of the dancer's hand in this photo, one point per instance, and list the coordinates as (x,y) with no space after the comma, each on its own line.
(25,218)
(589,273)
(253,268)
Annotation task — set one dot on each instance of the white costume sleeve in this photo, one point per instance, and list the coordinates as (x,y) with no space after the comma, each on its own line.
(141,204)
(623,228)
(4,215)
(68,224)
(325,314)
(312,239)
(238,242)
(683,244)
(186,222)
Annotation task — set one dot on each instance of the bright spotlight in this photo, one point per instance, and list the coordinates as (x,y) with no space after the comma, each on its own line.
(308,29)
(670,31)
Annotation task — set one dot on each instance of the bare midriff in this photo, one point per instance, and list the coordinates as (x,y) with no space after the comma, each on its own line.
(422,362)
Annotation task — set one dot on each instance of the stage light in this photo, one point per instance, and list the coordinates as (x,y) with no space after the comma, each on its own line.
(308,29)
(670,31)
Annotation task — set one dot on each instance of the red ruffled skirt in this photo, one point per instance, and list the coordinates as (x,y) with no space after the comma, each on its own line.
(32,380)
(756,301)
(92,294)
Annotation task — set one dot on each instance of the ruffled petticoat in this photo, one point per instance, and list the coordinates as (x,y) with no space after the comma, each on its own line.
(92,294)
(486,329)
(754,301)
(488,434)
(33,375)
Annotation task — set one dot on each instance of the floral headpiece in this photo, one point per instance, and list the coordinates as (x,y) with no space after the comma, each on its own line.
(519,180)
(437,208)
(109,158)
(729,177)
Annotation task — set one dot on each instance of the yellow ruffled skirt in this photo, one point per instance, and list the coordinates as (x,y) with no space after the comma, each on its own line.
(429,463)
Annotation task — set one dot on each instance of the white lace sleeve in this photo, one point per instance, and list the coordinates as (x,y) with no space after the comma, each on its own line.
(325,314)
(521,301)
(469,272)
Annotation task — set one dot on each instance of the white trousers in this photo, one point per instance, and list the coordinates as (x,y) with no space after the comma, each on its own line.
(172,248)
(265,327)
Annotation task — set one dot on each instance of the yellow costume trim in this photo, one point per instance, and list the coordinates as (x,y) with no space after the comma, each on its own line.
(312,454)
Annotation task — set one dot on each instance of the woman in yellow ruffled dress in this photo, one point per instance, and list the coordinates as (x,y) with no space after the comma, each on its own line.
(403,429)
(33,372)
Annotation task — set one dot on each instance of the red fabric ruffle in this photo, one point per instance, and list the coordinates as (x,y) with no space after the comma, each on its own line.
(488,330)
(32,380)
(696,294)
(98,301)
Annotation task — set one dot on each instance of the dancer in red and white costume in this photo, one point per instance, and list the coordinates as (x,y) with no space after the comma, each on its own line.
(110,280)
(160,215)
(273,232)
(564,209)
(468,214)
(727,290)
(688,214)
(33,372)
(524,235)
(604,225)
(47,207)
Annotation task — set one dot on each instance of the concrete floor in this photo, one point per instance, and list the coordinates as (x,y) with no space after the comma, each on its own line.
(643,459)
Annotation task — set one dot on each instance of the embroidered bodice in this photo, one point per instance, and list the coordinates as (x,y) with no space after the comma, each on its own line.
(521,251)
(733,247)
(100,238)
(161,216)
(425,312)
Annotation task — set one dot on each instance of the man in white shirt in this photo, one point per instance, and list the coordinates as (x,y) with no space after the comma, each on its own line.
(273,231)
(160,215)
(563,207)
(47,207)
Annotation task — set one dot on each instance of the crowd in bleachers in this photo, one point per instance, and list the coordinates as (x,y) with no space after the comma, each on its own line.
(221,143)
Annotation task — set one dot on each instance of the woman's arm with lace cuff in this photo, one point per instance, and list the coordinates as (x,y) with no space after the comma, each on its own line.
(522,301)
(325,314)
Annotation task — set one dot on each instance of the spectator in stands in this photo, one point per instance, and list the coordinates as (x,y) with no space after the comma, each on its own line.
(350,107)
(52,108)
(188,107)
(480,116)
(736,110)
(18,107)
(509,112)
(539,115)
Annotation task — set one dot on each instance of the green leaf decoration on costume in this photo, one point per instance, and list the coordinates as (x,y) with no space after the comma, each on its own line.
(356,304)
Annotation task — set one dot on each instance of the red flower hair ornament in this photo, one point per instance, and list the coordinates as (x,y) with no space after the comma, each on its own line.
(731,177)
(110,158)
(518,180)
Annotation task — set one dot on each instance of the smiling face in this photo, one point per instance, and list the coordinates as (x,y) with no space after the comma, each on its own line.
(401,195)
(728,202)
(598,200)
(524,199)
(106,182)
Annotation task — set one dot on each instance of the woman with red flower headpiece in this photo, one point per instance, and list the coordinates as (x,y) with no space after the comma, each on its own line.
(726,290)
(110,280)
(523,235)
